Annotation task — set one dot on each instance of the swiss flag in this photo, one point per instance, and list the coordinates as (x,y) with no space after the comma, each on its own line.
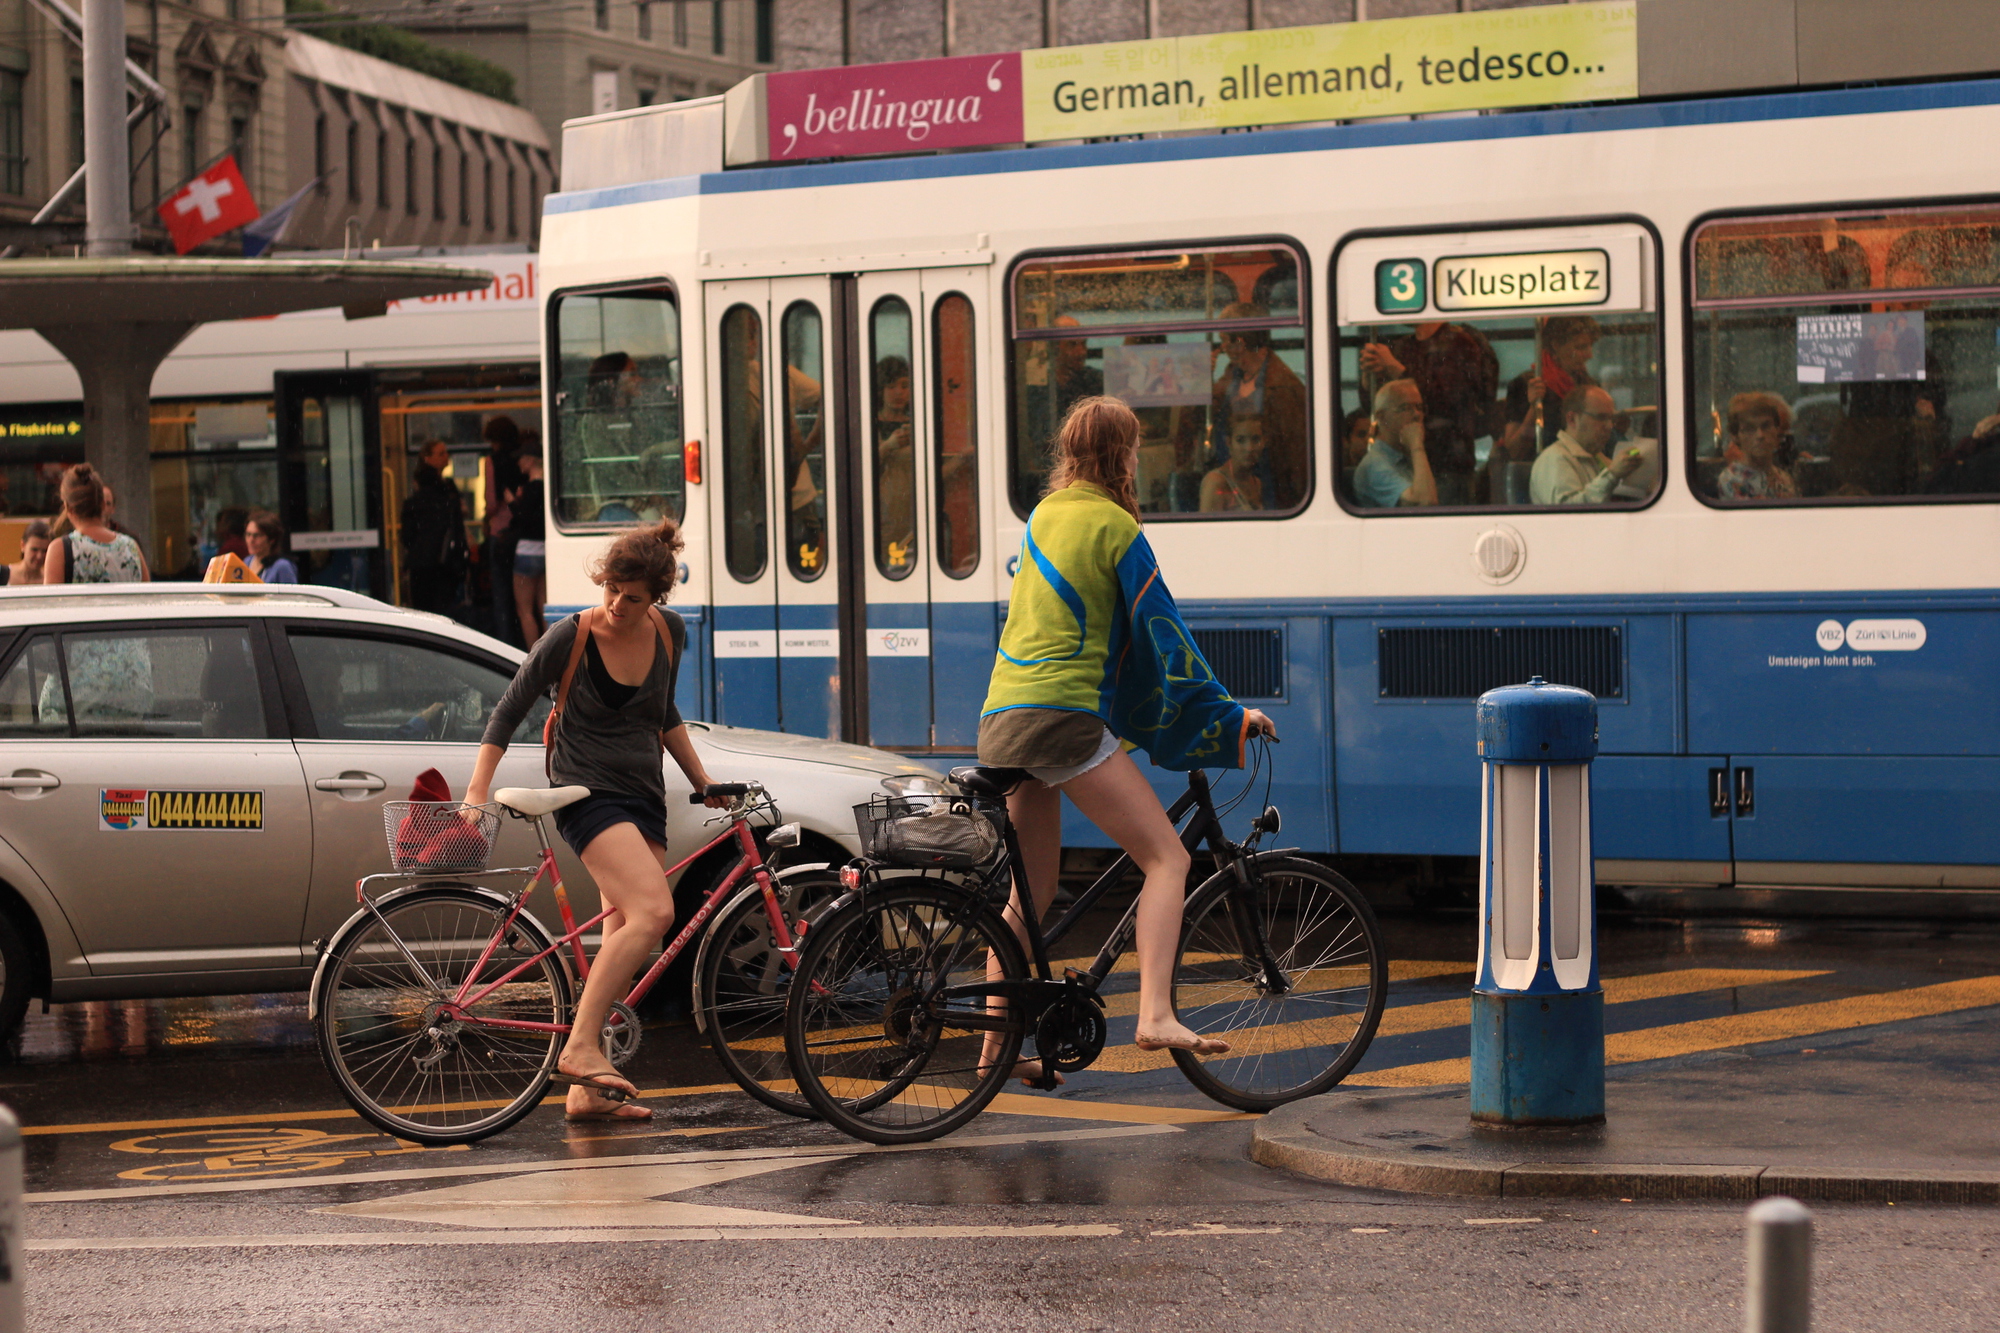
(216,201)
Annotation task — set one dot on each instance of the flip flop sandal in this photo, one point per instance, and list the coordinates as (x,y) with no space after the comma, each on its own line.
(611,1092)
(1199,1046)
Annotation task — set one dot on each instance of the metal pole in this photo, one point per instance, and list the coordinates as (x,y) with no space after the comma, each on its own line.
(106,149)
(1777,1295)
(11,1318)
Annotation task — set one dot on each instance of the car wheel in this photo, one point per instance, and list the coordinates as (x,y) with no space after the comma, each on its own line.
(17,974)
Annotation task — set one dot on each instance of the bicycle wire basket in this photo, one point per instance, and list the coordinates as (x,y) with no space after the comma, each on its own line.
(439,837)
(930,831)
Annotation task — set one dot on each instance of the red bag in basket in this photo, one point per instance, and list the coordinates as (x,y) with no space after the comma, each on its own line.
(425,839)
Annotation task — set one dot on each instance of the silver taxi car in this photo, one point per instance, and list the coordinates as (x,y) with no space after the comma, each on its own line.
(192,779)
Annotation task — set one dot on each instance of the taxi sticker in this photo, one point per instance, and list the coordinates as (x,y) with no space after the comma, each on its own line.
(122,810)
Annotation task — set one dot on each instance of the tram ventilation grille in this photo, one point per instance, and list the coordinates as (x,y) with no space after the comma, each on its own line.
(1464,663)
(1250,663)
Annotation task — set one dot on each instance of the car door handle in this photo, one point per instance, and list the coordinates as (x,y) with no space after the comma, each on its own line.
(358,782)
(29,780)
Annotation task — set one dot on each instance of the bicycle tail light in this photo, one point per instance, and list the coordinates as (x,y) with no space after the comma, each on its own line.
(850,877)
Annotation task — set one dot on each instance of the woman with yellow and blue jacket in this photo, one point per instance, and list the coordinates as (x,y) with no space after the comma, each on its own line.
(1095,660)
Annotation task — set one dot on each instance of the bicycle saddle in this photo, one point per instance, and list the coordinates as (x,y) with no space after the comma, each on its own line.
(535,802)
(989,782)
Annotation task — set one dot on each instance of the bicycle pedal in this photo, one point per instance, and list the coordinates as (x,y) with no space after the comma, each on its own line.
(1048,1082)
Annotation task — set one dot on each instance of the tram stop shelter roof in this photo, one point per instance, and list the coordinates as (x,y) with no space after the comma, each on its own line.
(117,318)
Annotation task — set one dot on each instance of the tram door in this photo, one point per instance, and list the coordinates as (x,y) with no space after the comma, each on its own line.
(776,573)
(330,478)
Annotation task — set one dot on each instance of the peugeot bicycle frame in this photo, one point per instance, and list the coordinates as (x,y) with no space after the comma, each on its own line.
(750,859)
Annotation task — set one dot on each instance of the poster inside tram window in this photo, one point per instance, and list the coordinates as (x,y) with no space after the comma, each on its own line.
(1850,349)
(1159,374)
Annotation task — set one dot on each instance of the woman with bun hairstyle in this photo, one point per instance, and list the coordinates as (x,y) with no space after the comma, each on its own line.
(1095,660)
(91,551)
(618,720)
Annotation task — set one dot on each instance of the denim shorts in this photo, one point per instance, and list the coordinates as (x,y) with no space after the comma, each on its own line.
(530,566)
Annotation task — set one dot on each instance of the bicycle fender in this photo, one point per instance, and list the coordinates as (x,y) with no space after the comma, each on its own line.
(708,936)
(365,916)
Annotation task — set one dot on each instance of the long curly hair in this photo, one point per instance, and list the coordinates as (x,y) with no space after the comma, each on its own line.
(648,555)
(1099,443)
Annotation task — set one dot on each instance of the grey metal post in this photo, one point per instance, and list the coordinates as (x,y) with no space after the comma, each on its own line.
(11,1318)
(1777,1294)
(107,152)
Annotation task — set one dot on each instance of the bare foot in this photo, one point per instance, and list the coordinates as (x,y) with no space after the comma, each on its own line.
(589,1071)
(1178,1038)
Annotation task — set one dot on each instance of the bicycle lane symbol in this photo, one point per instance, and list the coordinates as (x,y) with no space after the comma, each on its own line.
(234,1154)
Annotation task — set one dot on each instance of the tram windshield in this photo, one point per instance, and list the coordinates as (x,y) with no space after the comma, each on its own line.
(1847,357)
(617,399)
(1209,348)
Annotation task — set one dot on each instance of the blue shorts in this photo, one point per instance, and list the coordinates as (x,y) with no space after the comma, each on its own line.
(580,824)
(530,566)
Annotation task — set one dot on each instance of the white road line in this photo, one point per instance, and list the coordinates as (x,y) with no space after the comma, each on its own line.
(564,1237)
(572,1164)
(1499,1221)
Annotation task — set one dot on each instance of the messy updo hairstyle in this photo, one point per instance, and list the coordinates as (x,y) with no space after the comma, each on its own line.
(83,492)
(1098,443)
(651,556)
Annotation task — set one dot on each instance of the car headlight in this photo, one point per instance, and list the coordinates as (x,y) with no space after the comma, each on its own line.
(913,784)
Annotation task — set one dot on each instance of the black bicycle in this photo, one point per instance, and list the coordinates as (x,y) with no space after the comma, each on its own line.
(906,982)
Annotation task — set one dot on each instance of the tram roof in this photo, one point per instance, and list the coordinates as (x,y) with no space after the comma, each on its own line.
(1606,118)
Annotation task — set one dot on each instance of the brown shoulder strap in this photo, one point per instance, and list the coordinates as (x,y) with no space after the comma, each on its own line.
(666,649)
(583,623)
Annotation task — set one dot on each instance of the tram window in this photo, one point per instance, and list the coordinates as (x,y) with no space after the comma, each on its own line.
(805,441)
(1846,357)
(743,503)
(953,354)
(617,419)
(1509,412)
(1209,348)
(894,433)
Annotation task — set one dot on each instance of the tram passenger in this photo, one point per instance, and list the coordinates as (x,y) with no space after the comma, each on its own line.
(619,717)
(1568,343)
(1258,383)
(1574,469)
(1237,484)
(1356,430)
(1046,710)
(1455,368)
(1972,467)
(1758,423)
(895,464)
(1397,468)
(1050,389)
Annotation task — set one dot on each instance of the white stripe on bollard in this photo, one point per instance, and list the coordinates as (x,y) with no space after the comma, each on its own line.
(1777,1296)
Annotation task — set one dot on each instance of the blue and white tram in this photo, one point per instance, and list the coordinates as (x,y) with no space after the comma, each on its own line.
(1775,315)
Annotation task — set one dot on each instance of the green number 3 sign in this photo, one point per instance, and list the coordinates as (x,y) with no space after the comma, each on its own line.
(1400,286)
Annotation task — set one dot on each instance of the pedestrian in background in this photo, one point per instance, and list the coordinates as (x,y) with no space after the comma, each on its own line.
(270,548)
(91,551)
(503,488)
(27,571)
(435,551)
(530,577)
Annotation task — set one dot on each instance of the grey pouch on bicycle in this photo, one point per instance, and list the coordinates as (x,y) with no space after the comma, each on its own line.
(943,835)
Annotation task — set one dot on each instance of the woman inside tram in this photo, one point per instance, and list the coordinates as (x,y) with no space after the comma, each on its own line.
(618,718)
(1046,707)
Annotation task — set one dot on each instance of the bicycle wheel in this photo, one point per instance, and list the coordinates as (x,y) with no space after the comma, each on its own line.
(872,1054)
(742,983)
(406,1070)
(1322,936)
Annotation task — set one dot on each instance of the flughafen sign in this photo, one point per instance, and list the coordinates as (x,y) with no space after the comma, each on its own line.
(1272,76)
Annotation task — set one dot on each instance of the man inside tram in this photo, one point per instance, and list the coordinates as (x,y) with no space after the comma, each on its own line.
(1459,375)
(1396,469)
(1574,470)
(1257,383)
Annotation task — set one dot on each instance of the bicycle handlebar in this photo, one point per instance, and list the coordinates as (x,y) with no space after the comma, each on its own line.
(719,789)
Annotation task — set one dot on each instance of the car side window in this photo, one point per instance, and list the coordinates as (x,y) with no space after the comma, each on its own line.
(32,703)
(198,682)
(369,689)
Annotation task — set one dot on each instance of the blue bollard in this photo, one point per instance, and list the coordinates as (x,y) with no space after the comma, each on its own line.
(1537,1008)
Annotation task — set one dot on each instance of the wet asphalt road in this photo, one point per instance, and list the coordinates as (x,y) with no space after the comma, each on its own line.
(1126,1203)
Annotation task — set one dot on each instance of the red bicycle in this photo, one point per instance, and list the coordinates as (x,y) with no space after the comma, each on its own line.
(441,1005)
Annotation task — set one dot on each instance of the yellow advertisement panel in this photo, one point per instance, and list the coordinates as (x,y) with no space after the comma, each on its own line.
(1334,71)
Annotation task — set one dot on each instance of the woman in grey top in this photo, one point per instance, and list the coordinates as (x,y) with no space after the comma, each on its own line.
(618,719)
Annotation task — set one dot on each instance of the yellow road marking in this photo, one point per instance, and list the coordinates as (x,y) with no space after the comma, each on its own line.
(1400,969)
(1430,1017)
(1721,1033)
(1015,1103)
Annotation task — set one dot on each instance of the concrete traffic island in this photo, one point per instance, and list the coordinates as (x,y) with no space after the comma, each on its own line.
(1720,1130)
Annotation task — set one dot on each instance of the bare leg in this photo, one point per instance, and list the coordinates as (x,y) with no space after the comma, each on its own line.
(1116,797)
(1035,810)
(630,876)
(529,594)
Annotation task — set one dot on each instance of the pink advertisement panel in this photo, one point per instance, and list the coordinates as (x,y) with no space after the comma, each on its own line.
(907,107)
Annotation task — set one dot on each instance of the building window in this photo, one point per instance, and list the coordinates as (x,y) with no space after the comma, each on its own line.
(464,190)
(13,135)
(76,124)
(354,161)
(410,175)
(382,192)
(1208,345)
(437,181)
(767,32)
(680,23)
(645,23)
(239,138)
(648,96)
(486,192)
(601,14)
(715,42)
(615,377)
(513,213)
(320,164)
